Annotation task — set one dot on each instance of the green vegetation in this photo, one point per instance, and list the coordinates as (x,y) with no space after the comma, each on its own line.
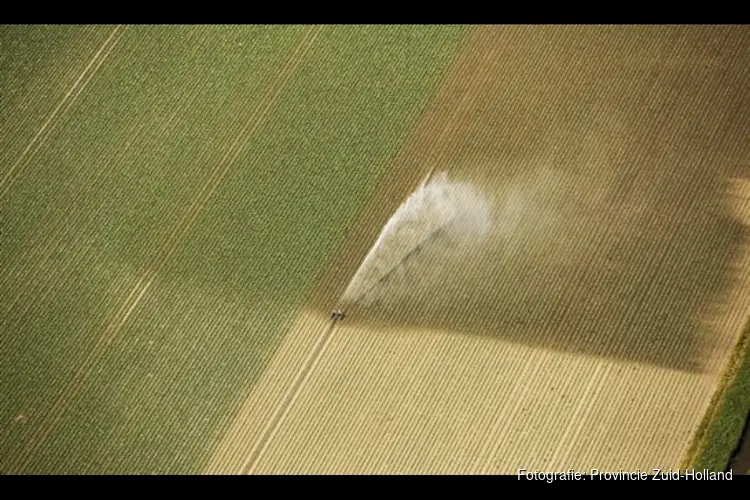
(93,210)
(721,428)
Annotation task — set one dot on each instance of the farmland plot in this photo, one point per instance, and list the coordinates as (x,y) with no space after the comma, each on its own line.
(591,330)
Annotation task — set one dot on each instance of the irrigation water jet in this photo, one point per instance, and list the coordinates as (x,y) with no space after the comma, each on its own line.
(442,218)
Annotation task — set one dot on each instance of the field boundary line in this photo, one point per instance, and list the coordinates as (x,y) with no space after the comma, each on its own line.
(460,113)
(737,198)
(36,142)
(163,256)
(412,146)
(291,395)
(727,375)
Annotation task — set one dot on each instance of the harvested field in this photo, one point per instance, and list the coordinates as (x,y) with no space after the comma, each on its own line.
(405,414)
(590,329)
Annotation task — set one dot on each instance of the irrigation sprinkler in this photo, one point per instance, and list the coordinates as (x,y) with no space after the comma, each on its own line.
(414,251)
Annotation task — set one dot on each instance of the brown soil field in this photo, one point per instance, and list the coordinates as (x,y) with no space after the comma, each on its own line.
(589,329)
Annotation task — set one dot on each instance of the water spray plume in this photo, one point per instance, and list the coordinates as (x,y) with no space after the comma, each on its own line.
(439,212)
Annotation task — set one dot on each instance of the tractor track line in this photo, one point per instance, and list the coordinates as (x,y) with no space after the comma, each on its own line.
(67,101)
(143,284)
(290,397)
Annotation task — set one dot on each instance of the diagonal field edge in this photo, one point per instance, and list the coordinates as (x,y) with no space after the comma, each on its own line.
(290,397)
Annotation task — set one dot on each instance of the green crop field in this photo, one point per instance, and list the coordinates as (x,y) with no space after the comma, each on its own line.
(168,196)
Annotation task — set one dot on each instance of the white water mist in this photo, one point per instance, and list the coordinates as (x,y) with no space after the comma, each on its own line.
(441,213)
